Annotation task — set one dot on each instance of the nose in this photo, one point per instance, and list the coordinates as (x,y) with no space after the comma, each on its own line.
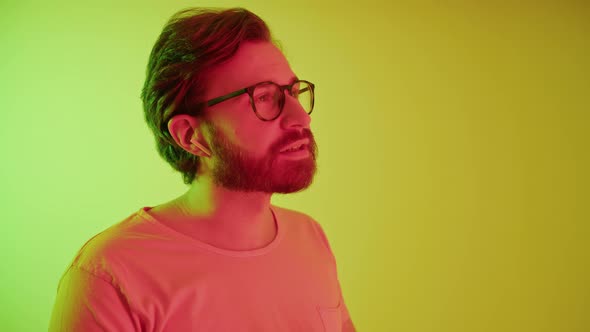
(294,115)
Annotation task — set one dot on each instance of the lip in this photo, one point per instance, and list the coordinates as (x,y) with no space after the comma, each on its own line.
(295,144)
(297,154)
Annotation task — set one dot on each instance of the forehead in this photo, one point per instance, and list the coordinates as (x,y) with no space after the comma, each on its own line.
(253,62)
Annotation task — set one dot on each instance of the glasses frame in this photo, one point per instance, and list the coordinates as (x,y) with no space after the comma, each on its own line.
(250,91)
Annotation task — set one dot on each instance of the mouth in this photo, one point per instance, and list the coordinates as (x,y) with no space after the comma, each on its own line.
(296,146)
(297,152)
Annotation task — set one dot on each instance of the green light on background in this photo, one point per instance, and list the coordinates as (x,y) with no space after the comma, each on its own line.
(452,181)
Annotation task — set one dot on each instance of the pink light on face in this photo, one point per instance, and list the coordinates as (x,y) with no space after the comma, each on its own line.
(275,172)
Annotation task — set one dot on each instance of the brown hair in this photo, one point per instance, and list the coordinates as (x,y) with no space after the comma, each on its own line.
(193,41)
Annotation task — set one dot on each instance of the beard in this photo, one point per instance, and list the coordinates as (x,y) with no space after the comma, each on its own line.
(238,170)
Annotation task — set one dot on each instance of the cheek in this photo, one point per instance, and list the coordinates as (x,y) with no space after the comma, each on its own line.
(249,137)
(245,130)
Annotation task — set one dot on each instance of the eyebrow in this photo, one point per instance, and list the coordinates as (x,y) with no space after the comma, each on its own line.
(293,79)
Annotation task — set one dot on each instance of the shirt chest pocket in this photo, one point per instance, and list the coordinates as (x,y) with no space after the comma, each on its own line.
(331,318)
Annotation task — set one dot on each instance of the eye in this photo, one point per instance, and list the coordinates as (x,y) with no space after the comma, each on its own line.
(264,97)
(264,93)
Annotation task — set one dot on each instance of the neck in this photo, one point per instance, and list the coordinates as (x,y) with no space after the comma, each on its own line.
(211,203)
(225,218)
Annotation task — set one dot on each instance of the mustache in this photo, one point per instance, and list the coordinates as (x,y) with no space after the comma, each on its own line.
(294,136)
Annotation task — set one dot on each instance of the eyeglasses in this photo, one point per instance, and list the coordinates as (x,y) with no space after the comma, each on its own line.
(268,98)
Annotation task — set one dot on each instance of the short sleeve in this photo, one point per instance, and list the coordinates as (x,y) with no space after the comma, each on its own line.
(85,302)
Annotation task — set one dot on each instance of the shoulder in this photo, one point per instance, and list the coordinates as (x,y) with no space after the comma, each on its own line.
(290,216)
(290,213)
(106,251)
(302,221)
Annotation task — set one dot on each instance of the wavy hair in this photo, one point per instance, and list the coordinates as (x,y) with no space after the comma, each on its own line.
(193,42)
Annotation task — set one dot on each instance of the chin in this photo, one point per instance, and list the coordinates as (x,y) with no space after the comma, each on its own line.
(292,187)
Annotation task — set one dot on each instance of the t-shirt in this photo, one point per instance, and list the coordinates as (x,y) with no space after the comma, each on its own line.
(141,275)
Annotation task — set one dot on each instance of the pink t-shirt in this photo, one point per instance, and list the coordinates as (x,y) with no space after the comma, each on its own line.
(140,275)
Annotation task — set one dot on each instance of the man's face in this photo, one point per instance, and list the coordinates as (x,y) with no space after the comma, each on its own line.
(246,150)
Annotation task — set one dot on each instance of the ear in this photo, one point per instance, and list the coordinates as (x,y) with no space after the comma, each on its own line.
(185,130)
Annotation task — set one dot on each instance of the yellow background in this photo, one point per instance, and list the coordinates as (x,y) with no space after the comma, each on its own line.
(453,165)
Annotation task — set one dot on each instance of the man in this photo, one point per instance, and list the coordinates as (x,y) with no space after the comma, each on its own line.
(228,113)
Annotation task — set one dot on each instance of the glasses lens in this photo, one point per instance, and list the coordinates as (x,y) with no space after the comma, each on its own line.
(303,92)
(266,100)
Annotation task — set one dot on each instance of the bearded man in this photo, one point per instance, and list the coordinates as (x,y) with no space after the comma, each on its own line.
(231,116)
